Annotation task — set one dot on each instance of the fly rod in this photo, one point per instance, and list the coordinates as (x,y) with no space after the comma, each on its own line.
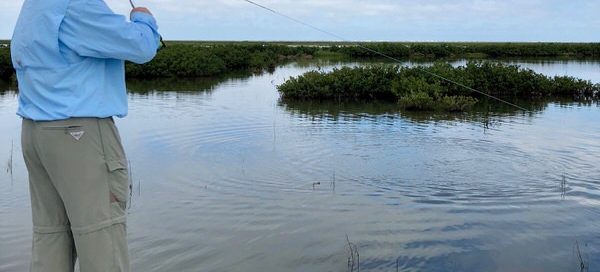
(380,53)
(162,43)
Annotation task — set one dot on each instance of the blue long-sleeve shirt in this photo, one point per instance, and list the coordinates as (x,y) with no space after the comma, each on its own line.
(69,57)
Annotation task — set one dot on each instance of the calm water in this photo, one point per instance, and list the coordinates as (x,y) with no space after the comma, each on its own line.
(226,178)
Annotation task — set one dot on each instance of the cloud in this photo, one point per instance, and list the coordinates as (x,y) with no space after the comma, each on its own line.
(9,11)
(477,20)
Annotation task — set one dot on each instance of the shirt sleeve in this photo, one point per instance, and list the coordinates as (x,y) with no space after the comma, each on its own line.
(92,29)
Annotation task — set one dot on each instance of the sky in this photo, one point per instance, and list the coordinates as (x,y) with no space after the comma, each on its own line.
(364,20)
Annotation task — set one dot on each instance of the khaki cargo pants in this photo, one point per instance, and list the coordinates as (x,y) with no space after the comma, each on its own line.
(79,188)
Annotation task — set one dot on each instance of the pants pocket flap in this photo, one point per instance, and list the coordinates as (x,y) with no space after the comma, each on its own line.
(114,165)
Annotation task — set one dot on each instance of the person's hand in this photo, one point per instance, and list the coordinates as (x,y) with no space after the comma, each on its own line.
(141,9)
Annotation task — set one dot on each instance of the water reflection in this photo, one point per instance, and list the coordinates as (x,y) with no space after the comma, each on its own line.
(206,84)
(7,86)
(487,113)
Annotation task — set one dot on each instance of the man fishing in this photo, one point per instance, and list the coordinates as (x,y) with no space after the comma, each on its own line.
(69,57)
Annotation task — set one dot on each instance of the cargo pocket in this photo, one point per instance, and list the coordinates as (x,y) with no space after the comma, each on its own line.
(118,185)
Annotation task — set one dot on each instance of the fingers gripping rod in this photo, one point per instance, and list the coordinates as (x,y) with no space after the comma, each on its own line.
(162,42)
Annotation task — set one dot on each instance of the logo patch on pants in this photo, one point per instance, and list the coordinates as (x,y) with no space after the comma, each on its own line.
(77,134)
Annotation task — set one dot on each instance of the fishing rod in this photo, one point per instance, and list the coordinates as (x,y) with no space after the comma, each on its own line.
(162,43)
(380,53)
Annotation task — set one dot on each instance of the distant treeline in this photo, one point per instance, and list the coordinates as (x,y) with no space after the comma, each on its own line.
(479,50)
(417,90)
(199,59)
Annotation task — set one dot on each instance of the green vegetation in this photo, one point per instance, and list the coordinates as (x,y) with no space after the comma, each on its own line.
(210,58)
(436,49)
(6,69)
(479,50)
(416,90)
(198,60)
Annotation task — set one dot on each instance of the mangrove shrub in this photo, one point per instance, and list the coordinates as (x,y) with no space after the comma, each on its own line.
(198,60)
(6,68)
(418,89)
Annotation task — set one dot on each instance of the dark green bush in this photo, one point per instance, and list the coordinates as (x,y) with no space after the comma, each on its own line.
(422,88)
(6,69)
(417,101)
(198,60)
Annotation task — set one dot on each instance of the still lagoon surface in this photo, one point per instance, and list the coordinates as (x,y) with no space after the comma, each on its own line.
(228,178)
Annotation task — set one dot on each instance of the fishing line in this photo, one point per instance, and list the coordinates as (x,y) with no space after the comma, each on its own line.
(380,53)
